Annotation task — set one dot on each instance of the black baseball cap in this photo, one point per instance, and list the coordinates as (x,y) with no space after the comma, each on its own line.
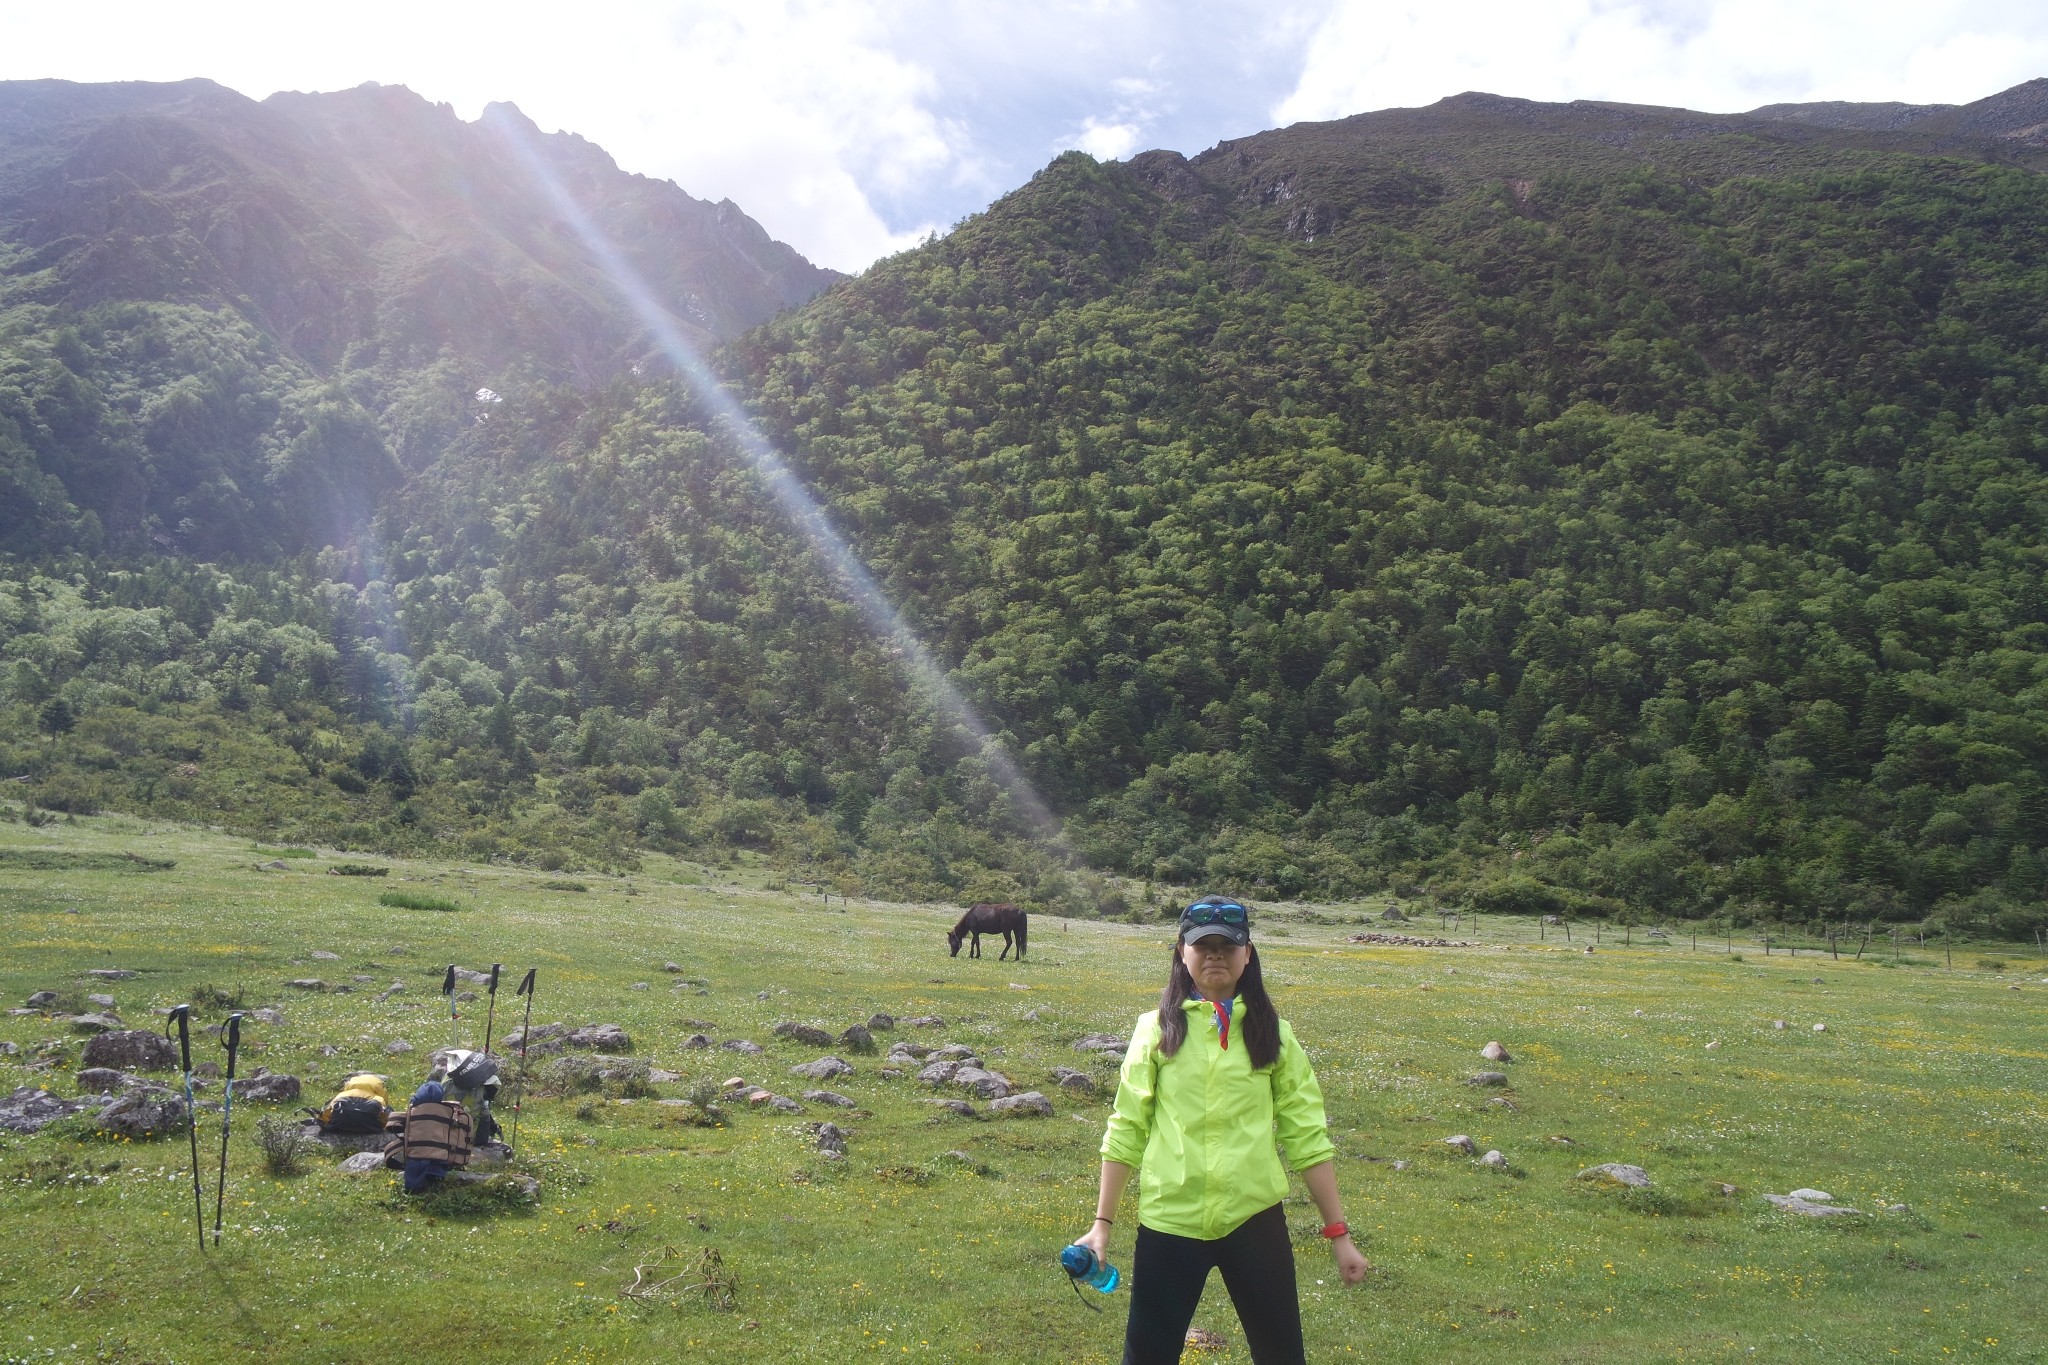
(1216,917)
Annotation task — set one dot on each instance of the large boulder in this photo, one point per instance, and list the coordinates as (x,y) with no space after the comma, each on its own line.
(741,1045)
(807,1034)
(831,1097)
(142,1114)
(858,1040)
(105,1080)
(29,1108)
(43,1000)
(1030,1104)
(1812,1208)
(938,1073)
(362,1163)
(135,1049)
(878,1022)
(1069,1079)
(1494,1052)
(1616,1173)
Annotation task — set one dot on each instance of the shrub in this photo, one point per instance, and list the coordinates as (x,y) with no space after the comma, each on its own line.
(283,1142)
(262,852)
(1990,964)
(357,870)
(417,900)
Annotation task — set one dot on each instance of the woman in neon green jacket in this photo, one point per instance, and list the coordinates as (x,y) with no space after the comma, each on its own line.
(1208,1081)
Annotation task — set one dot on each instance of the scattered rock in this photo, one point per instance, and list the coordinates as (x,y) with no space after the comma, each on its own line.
(926,1021)
(8,1049)
(831,1097)
(878,1022)
(672,967)
(395,988)
(535,1036)
(1030,1103)
(774,1101)
(1725,1190)
(1895,1208)
(806,1034)
(267,1016)
(268,1089)
(1494,1052)
(1820,1028)
(1561,1140)
(831,1138)
(42,1000)
(307,983)
(94,1023)
(909,1052)
(141,1114)
(751,1049)
(1777,1023)
(1106,1043)
(105,1002)
(321,955)
(600,1038)
(857,1040)
(638,986)
(132,1050)
(953,1052)
(1037,1015)
(824,1069)
(398,1047)
(1792,1203)
(29,1108)
(734,1083)
(657,1076)
(1816,1196)
(329,1050)
(1393,916)
(1616,1173)
(760,995)
(1459,1142)
(938,1073)
(960,1107)
(465,975)
(988,1084)
(462,997)
(1400,1165)
(697,1040)
(275,865)
(1066,1078)
(106,1080)
(1713,1045)
(1019,986)
(111,974)
(1503,1102)
(1487,1078)
(362,1163)
(1494,1160)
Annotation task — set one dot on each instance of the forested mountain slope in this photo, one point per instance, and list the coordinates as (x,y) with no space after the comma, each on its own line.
(1560,506)
(230,326)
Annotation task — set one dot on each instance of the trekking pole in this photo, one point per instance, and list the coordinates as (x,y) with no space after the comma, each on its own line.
(492,1018)
(525,1034)
(227,1108)
(448,989)
(181,1015)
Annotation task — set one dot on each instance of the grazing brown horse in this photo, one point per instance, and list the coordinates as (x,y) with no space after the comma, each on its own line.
(986,918)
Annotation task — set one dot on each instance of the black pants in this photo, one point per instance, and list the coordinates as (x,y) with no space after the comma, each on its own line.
(1167,1275)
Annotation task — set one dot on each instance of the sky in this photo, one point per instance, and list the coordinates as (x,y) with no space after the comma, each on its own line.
(853,129)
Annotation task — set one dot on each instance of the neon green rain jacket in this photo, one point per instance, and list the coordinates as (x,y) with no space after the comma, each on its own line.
(1199,1125)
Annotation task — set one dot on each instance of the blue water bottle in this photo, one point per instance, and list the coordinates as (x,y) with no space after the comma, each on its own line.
(1079,1262)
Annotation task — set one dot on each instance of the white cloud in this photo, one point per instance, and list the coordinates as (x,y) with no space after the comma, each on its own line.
(1719,55)
(1105,141)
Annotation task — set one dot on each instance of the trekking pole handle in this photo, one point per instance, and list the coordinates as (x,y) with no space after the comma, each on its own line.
(181,1015)
(234,1040)
(496,967)
(526,986)
(448,982)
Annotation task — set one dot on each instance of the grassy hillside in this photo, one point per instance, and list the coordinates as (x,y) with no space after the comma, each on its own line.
(935,1236)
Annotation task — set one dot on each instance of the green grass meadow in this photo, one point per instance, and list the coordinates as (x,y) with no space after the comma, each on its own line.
(1926,1089)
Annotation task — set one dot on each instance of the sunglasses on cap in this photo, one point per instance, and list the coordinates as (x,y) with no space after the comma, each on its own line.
(1209,912)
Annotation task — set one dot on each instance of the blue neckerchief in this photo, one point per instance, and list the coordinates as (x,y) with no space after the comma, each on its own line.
(1221,1023)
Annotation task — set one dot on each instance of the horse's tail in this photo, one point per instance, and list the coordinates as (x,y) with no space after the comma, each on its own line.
(1023,923)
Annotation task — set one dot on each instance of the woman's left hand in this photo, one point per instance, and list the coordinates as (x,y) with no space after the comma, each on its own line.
(1351,1262)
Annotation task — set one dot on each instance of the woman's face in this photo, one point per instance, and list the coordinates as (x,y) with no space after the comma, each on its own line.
(1216,964)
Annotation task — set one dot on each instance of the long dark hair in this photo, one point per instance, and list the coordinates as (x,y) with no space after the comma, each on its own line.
(1258,1023)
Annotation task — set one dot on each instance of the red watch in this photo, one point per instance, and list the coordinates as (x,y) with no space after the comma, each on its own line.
(1335,1230)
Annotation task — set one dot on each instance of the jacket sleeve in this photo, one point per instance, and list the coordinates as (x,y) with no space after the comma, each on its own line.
(1298,1106)
(1130,1118)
